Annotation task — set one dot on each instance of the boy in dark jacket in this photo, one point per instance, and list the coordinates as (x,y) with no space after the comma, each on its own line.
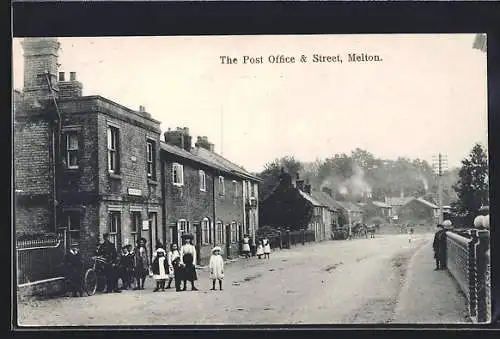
(73,268)
(439,246)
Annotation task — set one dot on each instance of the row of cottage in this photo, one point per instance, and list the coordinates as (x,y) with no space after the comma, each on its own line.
(293,203)
(85,166)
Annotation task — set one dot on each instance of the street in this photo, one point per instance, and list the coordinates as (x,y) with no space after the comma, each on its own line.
(333,282)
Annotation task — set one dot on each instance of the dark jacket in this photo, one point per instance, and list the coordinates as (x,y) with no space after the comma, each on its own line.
(108,250)
(73,266)
(439,243)
(155,267)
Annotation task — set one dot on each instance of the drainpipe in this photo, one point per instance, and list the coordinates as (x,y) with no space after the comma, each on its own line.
(214,221)
(55,150)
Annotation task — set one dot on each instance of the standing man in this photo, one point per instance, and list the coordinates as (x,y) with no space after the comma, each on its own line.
(74,270)
(439,246)
(108,250)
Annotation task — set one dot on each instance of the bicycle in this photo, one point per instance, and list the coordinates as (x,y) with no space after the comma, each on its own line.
(94,279)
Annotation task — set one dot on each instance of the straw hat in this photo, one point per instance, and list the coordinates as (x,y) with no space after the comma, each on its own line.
(216,248)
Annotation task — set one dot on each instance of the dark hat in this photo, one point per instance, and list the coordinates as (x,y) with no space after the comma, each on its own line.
(187,236)
(144,240)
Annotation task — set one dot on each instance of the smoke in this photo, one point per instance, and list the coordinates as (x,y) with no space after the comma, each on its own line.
(355,185)
(424,181)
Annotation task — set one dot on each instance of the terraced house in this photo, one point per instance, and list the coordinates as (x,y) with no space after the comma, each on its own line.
(205,195)
(85,165)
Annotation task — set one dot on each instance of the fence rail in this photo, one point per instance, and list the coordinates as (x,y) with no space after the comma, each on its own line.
(468,261)
(39,260)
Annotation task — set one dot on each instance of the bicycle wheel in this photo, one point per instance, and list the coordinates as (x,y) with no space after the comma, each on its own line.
(90,282)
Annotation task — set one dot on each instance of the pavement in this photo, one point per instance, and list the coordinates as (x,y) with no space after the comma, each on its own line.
(370,281)
(430,297)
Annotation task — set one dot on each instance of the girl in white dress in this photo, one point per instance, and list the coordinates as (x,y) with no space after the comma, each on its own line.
(267,247)
(173,256)
(160,270)
(260,250)
(216,267)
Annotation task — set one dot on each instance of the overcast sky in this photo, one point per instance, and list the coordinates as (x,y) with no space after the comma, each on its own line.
(428,95)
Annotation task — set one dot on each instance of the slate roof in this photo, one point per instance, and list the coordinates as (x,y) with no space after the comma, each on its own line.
(325,199)
(221,161)
(381,204)
(311,199)
(348,206)
(214,161)
(398,201)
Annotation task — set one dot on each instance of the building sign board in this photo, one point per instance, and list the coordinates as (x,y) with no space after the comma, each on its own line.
(134,191)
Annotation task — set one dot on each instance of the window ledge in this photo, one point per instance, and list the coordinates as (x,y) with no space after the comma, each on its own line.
(115,176)
(178,184)
(152,182)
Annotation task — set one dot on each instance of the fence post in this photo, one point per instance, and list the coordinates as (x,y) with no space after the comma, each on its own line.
(472,274)
(481,248)
(303,233)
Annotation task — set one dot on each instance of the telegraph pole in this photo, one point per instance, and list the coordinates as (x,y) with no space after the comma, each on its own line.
(439,165)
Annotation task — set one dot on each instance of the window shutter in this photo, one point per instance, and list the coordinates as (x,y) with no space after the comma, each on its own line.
(64,149)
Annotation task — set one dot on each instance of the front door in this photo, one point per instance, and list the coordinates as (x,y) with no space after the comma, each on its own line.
(197,240)
(228,239)
(174,234)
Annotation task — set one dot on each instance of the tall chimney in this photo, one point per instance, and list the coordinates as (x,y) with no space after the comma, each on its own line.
(179,138)
(299,183)
(327,191)
(40,67)
(307,188)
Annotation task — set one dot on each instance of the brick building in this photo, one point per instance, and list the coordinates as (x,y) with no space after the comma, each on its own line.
(84,165)
(203,195)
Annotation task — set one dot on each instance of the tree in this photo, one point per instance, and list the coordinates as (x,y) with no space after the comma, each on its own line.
(271,173)
(472,185)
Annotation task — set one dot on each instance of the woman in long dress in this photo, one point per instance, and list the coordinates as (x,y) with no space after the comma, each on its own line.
(188,260)
(260,250)
(160,270)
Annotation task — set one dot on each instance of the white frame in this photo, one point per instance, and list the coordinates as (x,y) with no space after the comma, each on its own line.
(113,136)
(180,171)
(150,158)
(222,185)
(70,150)
(234,232)
(205,228)
(182,229)
(219,232)
(235,188)
(203,180)
(138,225)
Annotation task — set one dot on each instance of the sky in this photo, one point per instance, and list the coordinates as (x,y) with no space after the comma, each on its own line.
(427,95)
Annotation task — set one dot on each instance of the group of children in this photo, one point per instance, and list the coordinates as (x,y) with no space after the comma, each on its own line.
(263,248)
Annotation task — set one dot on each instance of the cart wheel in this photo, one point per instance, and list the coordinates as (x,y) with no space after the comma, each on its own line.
(90,282)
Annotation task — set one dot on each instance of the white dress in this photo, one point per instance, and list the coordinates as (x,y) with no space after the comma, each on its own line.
(260,250)
(172,255)
(267,247)
(163,272)
(216,267)
(246,245)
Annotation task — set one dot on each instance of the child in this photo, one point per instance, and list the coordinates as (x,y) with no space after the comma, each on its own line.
(216,267)
(410,235)
(160,270)
(260,250)
(174,267)
(122,268)
(267,247)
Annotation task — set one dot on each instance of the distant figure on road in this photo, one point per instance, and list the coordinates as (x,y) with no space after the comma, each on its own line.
(108,250)
(410,235)
(246,246)
(73,268)
(141,263)
(174,267)
(188,260)
(267,247)
(260,250)
(216,267)
(439,246)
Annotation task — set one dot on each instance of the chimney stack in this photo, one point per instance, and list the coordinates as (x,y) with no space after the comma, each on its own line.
(69,89)
(203,142)
(40,68)
(142,109)
(299,183)
(180,138)
(327,191)
(307,188)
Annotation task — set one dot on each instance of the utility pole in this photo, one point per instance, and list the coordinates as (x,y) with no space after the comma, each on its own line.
(439,165)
